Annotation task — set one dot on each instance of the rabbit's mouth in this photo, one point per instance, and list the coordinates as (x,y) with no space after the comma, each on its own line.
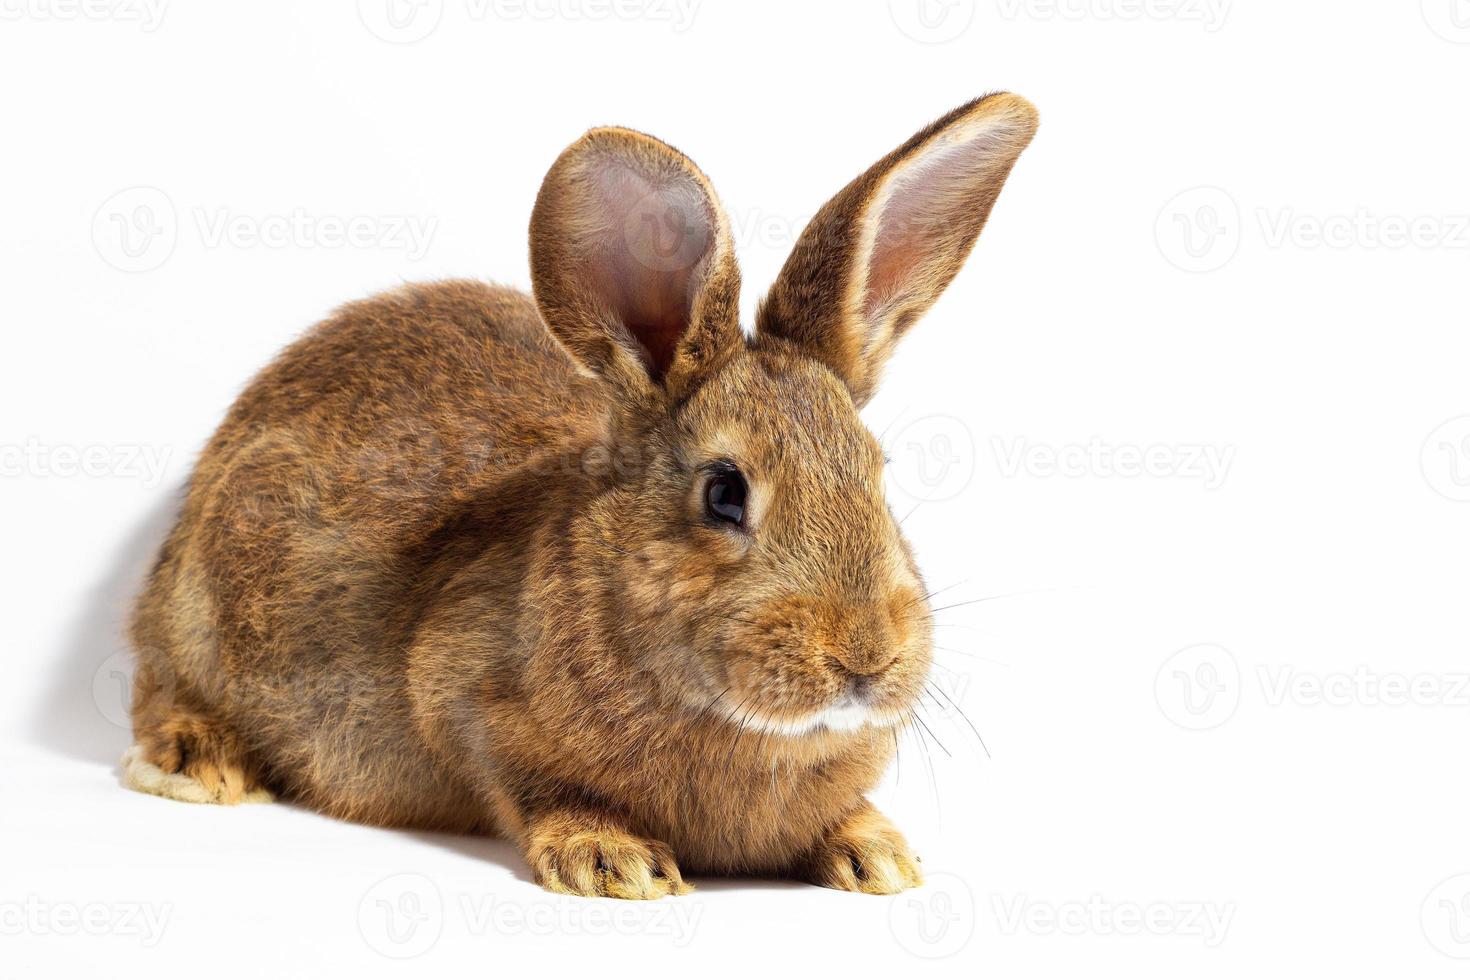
(851,712)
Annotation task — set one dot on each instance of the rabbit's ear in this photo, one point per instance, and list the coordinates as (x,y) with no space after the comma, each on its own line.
(877,255)
(632,264)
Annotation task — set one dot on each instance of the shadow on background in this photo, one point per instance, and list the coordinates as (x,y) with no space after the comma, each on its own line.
(84,711)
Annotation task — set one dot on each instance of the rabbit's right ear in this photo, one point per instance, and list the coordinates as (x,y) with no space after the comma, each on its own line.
(632,265)
(878,254)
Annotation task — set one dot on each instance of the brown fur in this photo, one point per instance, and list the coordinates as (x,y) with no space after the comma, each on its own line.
(445,563)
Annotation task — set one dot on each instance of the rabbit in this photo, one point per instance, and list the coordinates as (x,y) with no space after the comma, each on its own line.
(594,571)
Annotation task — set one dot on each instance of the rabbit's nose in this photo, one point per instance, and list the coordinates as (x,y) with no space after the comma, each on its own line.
(863,660)
(867,647)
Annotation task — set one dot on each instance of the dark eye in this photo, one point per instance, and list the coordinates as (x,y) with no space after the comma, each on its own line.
(724,495)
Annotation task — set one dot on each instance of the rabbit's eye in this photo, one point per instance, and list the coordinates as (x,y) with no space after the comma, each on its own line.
(724,495)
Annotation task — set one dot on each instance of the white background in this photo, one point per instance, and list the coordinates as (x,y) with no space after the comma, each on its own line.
(1240,235)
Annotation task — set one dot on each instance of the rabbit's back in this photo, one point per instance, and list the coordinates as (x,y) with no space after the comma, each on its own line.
(285,601)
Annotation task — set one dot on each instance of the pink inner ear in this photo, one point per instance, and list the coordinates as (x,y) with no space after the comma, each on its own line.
(928,204)
(646,240)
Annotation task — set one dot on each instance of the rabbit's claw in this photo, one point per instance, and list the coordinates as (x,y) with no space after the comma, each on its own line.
(865,853)
(193,759)
(604,861)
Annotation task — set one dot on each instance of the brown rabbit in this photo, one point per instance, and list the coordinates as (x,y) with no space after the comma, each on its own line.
(597,572)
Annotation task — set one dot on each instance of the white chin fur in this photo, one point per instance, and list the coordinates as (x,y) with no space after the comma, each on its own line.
(848,716)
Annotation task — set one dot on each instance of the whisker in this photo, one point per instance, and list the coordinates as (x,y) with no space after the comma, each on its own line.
(931,594)
(735,742)
(711,703)
(980,738)
(897,763)
(928,765)
(932,735)
(968,653)
(890,425)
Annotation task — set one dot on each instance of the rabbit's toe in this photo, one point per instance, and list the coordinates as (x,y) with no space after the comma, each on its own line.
(192,759)
(605,862)
(866,854)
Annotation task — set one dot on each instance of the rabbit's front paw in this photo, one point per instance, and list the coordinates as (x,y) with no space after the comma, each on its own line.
(865,853)
(597,859)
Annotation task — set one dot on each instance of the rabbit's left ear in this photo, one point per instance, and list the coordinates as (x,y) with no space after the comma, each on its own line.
(632,265)
(878,254)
